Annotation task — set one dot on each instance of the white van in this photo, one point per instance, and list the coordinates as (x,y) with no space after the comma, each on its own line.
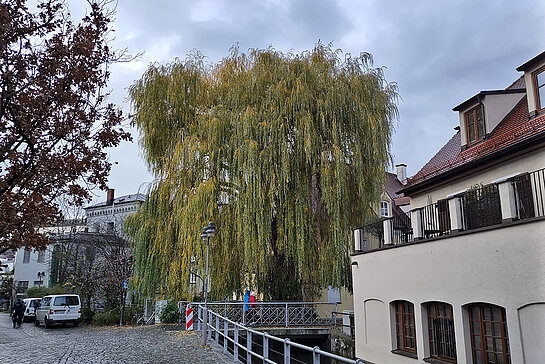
(59,308)
(30,308)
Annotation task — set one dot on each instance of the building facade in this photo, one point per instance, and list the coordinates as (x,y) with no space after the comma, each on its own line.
(102,224)
(466,284)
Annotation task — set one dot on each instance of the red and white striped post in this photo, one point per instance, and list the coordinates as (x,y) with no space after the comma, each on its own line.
(189,317)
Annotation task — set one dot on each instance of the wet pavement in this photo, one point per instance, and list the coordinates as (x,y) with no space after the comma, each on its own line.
(96,344)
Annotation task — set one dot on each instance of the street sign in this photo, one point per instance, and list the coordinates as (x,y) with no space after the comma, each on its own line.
(124,284)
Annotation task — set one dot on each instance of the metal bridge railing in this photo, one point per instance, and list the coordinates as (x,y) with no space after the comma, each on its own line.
(275,314)
(246,344)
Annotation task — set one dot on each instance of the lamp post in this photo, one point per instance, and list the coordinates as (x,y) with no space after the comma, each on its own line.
(207,233)
(41,276)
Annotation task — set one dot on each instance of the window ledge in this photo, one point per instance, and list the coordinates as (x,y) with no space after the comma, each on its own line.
(438,361)
(408,354)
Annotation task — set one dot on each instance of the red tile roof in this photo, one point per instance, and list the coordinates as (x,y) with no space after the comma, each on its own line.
(515,128)
(518,84)
(392,185)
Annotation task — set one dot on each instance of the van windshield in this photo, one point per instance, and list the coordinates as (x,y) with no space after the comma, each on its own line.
(66,301)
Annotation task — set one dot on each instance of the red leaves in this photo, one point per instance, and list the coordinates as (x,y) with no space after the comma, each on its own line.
(54,120)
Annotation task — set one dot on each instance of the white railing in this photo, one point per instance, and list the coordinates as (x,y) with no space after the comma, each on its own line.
(245,338)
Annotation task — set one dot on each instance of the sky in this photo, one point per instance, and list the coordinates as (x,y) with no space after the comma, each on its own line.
(440,53)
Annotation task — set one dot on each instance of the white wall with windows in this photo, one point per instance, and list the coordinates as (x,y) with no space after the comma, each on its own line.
(108,219)
(491,280)
(28,263)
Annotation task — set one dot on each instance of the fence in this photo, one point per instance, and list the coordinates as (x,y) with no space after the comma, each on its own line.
(435,219)
(529,194)
(344,321)
(274,314)
(402,231)
(248,345)
(481,207)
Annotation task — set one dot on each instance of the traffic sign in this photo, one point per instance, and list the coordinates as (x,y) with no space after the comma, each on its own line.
(125,284)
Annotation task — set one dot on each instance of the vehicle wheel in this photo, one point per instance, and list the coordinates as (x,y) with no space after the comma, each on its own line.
(76,323)
(36,323)
(47,324)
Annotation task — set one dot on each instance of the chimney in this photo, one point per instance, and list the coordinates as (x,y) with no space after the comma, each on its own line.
(110,196)
(401,171)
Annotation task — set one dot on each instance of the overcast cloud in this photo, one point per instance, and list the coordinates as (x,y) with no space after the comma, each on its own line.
(440,53)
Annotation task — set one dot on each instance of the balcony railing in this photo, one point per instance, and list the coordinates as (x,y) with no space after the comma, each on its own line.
(529,194)
(512,199)
(481,207)
(435,219)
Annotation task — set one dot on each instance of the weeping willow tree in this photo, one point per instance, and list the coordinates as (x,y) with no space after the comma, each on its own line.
(285,153)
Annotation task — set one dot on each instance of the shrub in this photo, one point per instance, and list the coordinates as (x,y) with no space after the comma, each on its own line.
(170,314)
(111,317)
(87,314)
(37,292)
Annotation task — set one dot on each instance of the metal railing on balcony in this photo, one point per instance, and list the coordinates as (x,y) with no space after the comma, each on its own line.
(374,235)
(529,194)
(481,207)
(435,219)
(402,231)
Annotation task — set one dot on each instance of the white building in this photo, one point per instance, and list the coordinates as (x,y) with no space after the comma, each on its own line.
(33,267)
(469,285)
(105,218)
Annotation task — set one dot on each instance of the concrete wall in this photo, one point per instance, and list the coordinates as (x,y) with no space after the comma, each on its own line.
(527,163)
(504,267)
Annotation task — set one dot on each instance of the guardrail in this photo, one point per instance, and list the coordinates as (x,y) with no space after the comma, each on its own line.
(344,321)
(247,343)
(286,314)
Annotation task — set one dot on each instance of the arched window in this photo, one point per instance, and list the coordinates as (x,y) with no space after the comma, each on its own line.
(405,328)
(442,342)
(489,338)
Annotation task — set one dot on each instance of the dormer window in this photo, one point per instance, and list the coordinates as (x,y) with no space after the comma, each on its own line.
(539,82)
(474,120)
(384,209)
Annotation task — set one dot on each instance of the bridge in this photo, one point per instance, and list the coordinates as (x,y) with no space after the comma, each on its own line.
(250,333)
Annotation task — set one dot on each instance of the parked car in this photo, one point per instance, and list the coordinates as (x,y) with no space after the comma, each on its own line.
(60,308)
(30,308)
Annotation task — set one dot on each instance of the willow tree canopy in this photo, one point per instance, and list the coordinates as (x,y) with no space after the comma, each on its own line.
(285,153)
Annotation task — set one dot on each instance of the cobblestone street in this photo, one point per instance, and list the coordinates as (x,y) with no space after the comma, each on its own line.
(91,344)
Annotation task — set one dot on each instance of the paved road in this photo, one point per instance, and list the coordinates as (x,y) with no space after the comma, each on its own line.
(90,344)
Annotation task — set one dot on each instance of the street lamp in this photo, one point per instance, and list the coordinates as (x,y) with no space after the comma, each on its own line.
(41,276)
(207,233)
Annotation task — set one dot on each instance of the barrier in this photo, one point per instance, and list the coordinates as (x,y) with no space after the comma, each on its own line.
(189,317)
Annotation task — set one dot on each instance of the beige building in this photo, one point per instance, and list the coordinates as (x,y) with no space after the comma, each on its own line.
(466,284)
